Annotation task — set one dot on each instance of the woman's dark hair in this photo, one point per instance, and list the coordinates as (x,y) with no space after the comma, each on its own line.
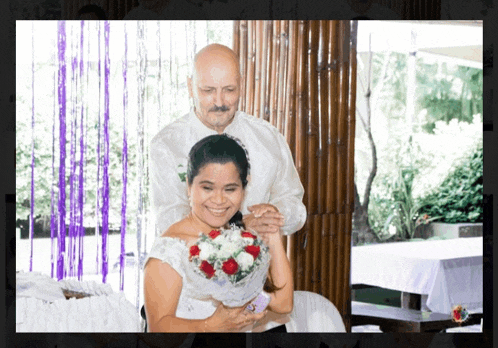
(218,148)
(99,12)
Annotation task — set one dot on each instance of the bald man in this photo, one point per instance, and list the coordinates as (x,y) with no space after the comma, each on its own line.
(274,182)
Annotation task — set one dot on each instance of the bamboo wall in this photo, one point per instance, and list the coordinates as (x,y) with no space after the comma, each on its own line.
(301,77)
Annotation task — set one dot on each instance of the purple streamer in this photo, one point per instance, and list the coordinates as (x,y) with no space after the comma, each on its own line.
(97,208)
(81,231)
(52,202)
(32,205)
(72,208)
(105,207)
(125,164)
(61,44)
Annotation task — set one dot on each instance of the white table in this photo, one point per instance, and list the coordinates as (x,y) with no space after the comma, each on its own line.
(447,272)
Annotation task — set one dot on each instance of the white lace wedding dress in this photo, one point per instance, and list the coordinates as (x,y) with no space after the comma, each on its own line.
(311,313)
(194,301)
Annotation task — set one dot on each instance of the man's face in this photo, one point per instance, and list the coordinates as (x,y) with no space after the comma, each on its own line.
(215,91)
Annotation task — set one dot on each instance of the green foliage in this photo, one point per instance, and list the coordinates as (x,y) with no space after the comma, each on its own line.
(448,95)
(460,196)
(379,210)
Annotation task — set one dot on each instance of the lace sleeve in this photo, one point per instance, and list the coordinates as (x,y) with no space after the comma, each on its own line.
(172,251)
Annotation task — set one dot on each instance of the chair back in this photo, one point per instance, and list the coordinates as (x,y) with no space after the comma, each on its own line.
(314,313)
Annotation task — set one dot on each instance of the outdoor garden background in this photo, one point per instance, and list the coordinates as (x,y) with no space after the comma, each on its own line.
(419,116)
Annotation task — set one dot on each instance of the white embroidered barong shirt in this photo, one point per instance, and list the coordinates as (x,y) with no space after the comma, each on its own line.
(273,176)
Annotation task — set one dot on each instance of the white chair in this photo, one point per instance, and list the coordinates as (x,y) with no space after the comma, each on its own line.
(311,313)
(314,313)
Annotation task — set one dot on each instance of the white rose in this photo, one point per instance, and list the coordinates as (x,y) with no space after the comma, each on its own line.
(235,236)
(245,260)
(223,254)
(230,247)
(207,250)
(220,240)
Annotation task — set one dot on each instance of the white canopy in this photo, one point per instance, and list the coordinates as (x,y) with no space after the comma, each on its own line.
(460,42)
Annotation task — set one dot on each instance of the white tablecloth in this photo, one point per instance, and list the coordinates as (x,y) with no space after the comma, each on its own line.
(448,271)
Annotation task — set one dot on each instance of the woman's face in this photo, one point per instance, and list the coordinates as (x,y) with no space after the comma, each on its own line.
(216,193)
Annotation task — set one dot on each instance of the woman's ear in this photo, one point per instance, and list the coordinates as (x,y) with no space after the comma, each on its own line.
(188,187)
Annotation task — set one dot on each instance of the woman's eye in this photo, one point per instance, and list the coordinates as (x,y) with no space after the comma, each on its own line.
(230,189)
(207,188)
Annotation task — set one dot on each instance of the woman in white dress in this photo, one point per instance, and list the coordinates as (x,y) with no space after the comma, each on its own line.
(217,175)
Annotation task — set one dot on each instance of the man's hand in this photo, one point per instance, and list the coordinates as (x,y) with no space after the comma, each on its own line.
(264,218)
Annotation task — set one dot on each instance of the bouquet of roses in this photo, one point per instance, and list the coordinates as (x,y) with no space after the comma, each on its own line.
(231,265)
(459,314)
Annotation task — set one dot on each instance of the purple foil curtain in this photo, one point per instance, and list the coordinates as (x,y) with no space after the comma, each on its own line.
(105,203)
(72,208)
(61,45)
(125,164)
(99,161)
(53,222)
(81,230)
(32,203)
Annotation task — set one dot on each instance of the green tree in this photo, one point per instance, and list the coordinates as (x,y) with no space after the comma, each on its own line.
(448,94)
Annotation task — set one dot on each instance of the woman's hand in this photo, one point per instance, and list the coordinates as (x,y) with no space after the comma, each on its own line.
(228,319)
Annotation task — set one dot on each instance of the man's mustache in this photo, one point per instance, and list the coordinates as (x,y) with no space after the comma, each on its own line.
(222,108)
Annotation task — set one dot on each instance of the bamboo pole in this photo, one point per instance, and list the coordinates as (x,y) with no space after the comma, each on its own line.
(300,277)
(308,263)
(265,71)
(251,41)
(317,229)
(332,263)
(282,88)
(301,103)
(341,277)
(296,251)
(351,120)
(312,144)
(268,53)
(346,312)
(322,117)
(324,251)
(236,39)
(332,117)
(258,74)
(275,69)
(312,117)
(290,105)
(243,64)
(343,112)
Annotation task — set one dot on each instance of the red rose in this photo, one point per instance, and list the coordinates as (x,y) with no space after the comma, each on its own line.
(194,250)
(248,235)
(253,250)
(207,268)
(230,266)
(214,233)
(456,314)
